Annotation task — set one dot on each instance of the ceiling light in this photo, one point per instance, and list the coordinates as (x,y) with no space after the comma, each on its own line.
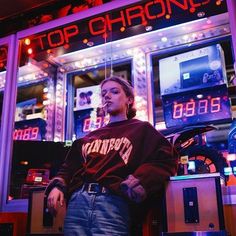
(164,39)
(201,14)
(90,43)
(148,28)
(27,42)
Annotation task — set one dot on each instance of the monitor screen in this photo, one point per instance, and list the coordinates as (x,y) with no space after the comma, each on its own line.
(193,71)
(200,68)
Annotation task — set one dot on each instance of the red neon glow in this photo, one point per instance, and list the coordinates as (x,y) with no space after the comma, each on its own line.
(136,12)
(30,133)
(57,40)
(215,105)
(100,22)
(70,31)
(58,37)
(202,106)
(183,6)
(178,111)
(190,109)
(131,16)
(110,21)
(150,4)
(199,107)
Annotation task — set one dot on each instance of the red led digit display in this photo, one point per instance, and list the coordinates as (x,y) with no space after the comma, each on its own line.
(91,125)
(178,111)
(196,107)
(86,126)
(30,133)
(201,106)
(215,105)
(190,109)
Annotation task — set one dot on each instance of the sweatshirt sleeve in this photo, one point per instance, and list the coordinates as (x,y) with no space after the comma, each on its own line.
(71,163)
(159,161)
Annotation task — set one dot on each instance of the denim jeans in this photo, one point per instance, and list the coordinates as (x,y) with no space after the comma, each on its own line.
(96,215)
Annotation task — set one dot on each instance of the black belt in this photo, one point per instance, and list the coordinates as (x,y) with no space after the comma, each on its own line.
(95,188)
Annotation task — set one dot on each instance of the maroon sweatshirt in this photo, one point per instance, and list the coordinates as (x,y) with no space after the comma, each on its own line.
(109,154)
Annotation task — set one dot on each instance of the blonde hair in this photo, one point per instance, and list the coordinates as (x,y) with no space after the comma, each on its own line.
(129,92)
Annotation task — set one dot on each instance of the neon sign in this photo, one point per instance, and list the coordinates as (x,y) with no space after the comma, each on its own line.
(58,37)
(200,106)
(158,14)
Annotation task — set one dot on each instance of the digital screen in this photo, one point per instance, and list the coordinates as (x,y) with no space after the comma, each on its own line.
(200,68)
(197,106)
(80,127)
(193,71)
(34,129)
(89,124)
(85,122)
(29,133)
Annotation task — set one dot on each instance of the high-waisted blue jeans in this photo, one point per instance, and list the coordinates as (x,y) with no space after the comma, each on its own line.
(96,215)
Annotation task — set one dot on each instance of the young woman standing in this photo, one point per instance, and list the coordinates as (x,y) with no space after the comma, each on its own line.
(125,161)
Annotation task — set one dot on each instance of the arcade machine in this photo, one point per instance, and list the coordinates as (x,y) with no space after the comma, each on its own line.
(195,93)
(198,95)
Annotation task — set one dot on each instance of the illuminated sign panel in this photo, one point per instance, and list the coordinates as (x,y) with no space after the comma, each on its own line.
(84,123)
(90,125)
(123,23)
(34,129)
(197,107)
(29,133)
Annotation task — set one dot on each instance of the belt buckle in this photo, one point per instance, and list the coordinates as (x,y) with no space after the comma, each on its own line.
(90,188)
(104,190)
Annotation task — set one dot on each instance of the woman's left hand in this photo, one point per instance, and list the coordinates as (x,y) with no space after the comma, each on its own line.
(132,188)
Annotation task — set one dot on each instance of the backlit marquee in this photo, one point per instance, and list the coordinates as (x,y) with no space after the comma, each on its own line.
(123,23)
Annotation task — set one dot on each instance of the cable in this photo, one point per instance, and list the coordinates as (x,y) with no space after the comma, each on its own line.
(105,41)
(111,50)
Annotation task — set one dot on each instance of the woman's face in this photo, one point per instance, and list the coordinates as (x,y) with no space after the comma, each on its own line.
(114,98)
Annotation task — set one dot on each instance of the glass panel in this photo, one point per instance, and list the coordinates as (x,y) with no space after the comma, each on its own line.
(43,108)
(200,88)
(87,115)
(35,157)
(211,65)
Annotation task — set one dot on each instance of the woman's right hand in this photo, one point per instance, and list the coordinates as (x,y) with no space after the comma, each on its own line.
(54,197)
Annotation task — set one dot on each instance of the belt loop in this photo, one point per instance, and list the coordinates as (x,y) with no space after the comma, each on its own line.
(93,188)
(104,190)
